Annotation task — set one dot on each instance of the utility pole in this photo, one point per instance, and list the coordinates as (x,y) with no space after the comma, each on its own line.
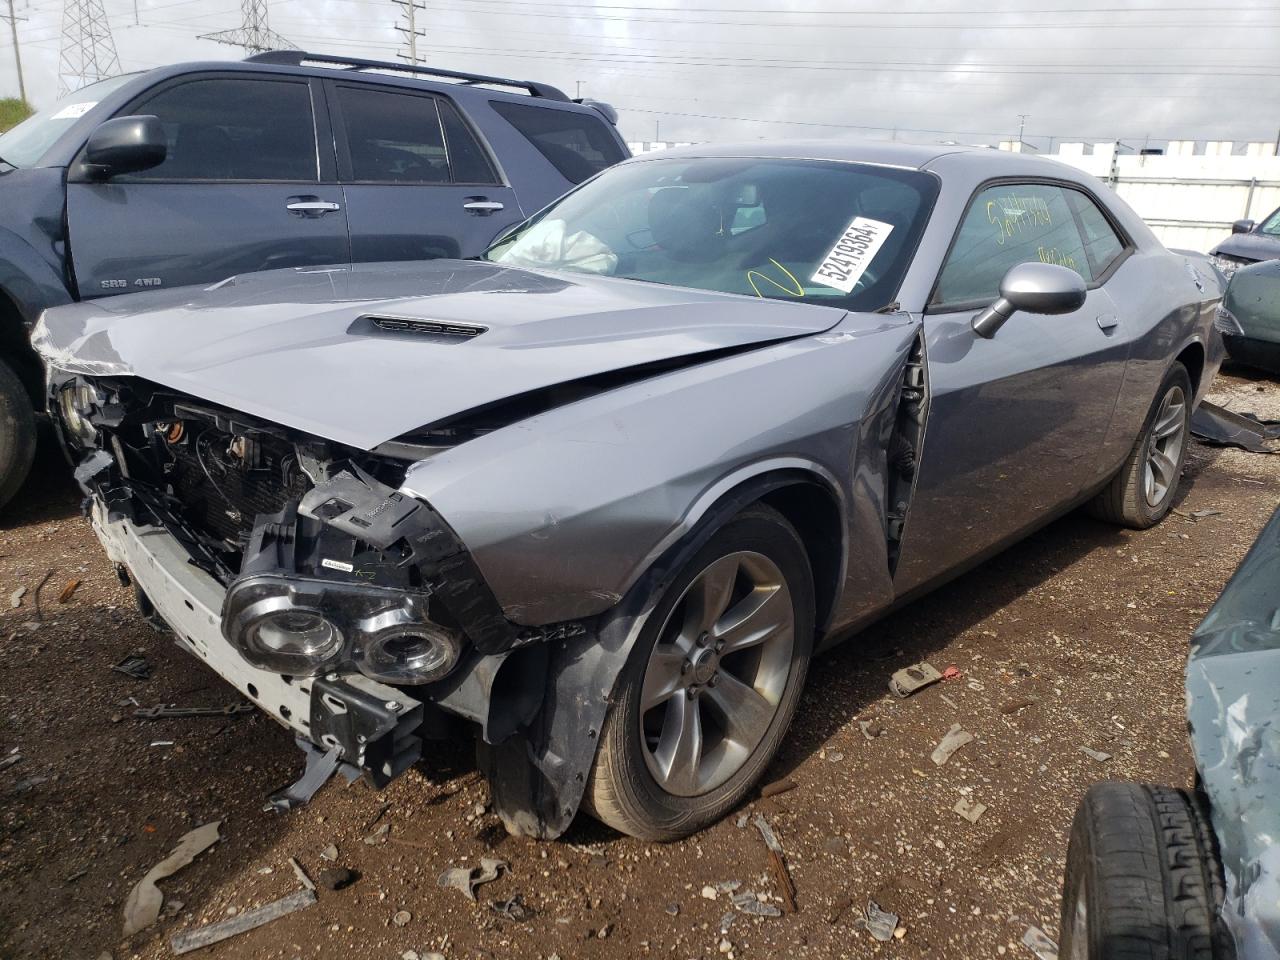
(578,82)
(88,51)
(1022,126)
(410,29)
(254,34)
(17,54)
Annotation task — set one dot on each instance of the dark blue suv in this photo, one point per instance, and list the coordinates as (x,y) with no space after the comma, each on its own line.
(195,172)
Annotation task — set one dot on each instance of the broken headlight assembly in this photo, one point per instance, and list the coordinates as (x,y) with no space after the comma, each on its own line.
(77,400)
(302,627)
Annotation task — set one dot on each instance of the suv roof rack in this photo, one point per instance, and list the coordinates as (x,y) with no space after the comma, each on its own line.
(297,58)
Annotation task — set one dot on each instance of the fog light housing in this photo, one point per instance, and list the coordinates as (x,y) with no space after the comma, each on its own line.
(76,400)
(1224,322)
(401,646)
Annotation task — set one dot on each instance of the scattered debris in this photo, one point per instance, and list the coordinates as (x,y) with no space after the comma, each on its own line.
(143,904)
(1038,942)
(728,886)
(971,810)
(870,729)
(1013,706)
(337,878)
(1217,427)
(164,711)
(15,598)
(329,853)
(777,787)
(750,903)
(835,757)
(955,739)
(161,743)
(244,922)
(402,918)
(672,909)
(513,909)
(39,587)
(68,591)
(1095,754)
(949,702)
(709,892)
(879,923)
(134,665)
(466,879)
(10,760)
(379,835)
(1202,514)
(908,680)
(741,822)
(779,865)
(301,874)
(952,673)
(727,921)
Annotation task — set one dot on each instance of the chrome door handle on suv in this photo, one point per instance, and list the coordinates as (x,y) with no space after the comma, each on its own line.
(482,207)
(311,206)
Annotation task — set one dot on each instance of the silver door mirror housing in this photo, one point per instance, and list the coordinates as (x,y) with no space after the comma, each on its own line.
(126,145)
(1044,288)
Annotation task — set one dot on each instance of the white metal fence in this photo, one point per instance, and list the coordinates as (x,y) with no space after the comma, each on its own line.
(1189,196)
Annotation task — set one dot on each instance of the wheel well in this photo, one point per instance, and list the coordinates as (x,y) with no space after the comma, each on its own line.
(812,509)
(15,350)
(1192,357)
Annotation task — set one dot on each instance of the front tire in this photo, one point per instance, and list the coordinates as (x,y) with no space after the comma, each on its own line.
(713,682)
(1143,880)
(1142,493)
(17,434)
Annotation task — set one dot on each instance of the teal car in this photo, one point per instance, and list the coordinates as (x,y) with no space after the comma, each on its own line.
(1249,318)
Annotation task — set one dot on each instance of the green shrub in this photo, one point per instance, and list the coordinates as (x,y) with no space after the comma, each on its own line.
(12,112)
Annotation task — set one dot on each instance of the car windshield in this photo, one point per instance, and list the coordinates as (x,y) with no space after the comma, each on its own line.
(832,233)
(1270,226)
(25,144)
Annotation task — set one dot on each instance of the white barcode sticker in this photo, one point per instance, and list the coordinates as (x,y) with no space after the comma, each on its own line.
(74,111)
(852,254)
(338,565)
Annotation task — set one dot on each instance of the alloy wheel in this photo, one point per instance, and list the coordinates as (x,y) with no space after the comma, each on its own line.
(716,675)
(1164,447)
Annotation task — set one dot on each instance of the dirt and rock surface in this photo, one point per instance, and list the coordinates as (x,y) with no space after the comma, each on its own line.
(1074,639)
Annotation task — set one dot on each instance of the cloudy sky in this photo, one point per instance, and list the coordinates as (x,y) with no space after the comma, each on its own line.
(922,70)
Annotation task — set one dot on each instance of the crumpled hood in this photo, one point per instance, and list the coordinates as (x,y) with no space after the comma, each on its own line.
(292,347)
(1249,246)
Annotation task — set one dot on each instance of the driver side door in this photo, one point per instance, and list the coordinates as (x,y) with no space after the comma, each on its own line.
(1016,423)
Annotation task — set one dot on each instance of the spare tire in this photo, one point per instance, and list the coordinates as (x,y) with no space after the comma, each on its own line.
(17,434)
(1143,878)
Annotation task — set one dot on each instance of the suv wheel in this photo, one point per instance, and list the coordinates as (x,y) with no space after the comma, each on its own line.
(17,434)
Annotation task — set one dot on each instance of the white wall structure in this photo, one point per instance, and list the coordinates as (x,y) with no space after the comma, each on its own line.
(1191,194)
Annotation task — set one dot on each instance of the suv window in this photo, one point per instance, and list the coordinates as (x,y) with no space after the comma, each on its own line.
(1101,243)
(577,144)
(1008,224)
(234,129)
(393,137)
(467,159)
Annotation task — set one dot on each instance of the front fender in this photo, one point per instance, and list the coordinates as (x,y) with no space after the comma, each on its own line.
(27,278)
(565,511)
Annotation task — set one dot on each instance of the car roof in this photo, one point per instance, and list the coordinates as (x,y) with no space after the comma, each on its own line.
(895,153)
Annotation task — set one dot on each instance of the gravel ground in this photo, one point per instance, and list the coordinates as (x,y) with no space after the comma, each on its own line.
(1075,638)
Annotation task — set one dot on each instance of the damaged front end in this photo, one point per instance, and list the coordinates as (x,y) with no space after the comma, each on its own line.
(348,610)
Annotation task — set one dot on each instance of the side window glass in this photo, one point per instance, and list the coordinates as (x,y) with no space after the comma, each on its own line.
(393,137)
(233,129)
(1008,224)
(1101,244)
(467,159)
(579,145)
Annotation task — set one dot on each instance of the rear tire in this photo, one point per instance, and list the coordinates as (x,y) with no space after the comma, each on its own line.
(1143,879)
(17,434)
(639,783)
(1141,494)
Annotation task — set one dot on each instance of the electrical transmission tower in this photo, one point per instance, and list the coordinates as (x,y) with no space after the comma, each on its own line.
(88,53)
(408,26)
(253,33)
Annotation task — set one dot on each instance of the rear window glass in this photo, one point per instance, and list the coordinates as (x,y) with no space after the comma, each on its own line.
(467,158)
(579,145)
(393,137)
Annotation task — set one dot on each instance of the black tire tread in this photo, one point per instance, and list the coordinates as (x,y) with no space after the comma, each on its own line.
(1150,872)
(17,434)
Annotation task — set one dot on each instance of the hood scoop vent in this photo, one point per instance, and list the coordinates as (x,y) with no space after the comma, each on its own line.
(409,328)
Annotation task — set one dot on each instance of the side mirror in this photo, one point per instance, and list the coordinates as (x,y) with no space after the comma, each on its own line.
(1243,226)
(1034,288)
(126,145)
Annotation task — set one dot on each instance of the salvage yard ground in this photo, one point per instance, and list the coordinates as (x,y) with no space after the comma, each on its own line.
(1074,639)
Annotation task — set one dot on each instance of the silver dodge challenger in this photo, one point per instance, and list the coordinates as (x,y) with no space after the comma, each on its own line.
(596,498)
